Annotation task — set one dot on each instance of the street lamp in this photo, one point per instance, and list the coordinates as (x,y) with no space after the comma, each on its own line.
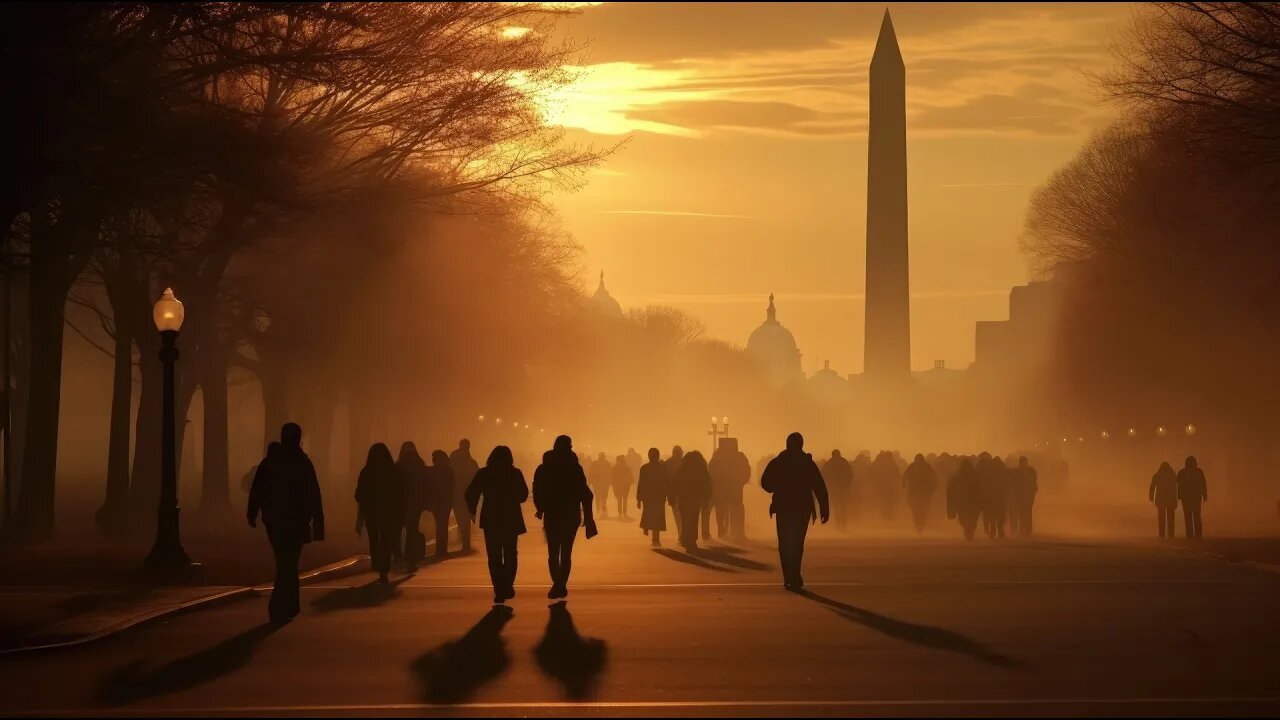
(1133,432)
(1106,435)
(1190,429)
(168,555)
(480,418)
(1161,431)
(717,431)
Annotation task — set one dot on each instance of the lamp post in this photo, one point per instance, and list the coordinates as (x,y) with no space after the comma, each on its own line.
(168,555)
(718,431)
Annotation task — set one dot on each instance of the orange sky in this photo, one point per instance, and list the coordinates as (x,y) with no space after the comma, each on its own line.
(745,166)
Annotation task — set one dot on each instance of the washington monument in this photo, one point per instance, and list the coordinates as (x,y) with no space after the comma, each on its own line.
(888,327)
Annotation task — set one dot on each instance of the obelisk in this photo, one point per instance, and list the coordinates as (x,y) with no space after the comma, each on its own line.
(887,348)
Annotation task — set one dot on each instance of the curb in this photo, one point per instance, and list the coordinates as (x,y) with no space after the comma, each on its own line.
(320,573)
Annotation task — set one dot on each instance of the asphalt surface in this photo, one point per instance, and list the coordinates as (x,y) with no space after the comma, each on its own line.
(937,626)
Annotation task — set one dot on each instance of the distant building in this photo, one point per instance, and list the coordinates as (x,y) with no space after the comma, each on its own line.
(775,348)
(1023,343)
(603,303)
(828,386)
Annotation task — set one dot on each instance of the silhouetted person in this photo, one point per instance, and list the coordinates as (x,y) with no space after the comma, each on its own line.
(838,475)
(861,491)
(652,494)
(991,479)
(1193,490)
(794,480)
(964,497)
(730,473)
(886,479)
(501,486)
(1026,484)
(464,468)
(621,483)
(417,495)
(920,482)
(634,461)
(672,464)
(563,503)
(380,497)
(692,488)
(1164,494)
(442,501)
(600,475)
(273,449)
(285,491)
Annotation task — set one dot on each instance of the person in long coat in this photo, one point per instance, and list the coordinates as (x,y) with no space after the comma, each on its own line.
(920,482)
(692,487)
(417,493)
(380,497)
(838,475)
(1164,494)
(671,465)
(564,503)
(652,495)
(795,482)
(1192,492)
(621,483)
(964,497)
(464,468)
(600,475)
(992,478)
(442,493)
(285,491)
(730,473)
(501,486)
(1026,483)
(886,480)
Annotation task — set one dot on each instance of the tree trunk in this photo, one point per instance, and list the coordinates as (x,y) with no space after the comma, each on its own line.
(215,493)
(113,516)
(47,312)
(144,488)
(275,398)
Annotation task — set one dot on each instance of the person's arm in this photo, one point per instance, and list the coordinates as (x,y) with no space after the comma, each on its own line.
(315,501)
(255,494)
(538,485)
(1204,487)
(768,479)
(473,493)
(523,493)
(1151,491)
(820,490)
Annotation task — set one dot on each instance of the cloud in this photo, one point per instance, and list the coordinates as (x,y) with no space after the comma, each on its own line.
(785,298)
(676,213)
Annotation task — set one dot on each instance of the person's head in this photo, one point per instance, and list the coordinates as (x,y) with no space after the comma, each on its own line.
(654,455)
(620,460)
(274,448)
(1023,462)
(602,457)
(408,450)
(500,456)
(464,445)
(795,442)
(379,454)
(439,457)
(919,457)
(835,454)
(1191,462)
(563,442)
(984,456)
(632,451)
(677,452)
(291,436)
(694,460)
(1165,468)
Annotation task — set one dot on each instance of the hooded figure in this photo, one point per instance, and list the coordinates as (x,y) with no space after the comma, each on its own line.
(885,479)
(1192,491)
(442,486)
(837,473)
(621,481)
(380,496)
(563,503)
(417,494)
(286,492)
(730,472)
(920,482)
(464,468)
(794,481)
(692,487)
(600,475)
(1164,493)
(1025,484)
(501,486)
(652,494)
(964,497)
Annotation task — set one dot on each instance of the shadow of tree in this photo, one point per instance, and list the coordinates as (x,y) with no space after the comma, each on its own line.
(576,662)
(690,559)
(131,683)
(926,635)
(452,672)
(360,597)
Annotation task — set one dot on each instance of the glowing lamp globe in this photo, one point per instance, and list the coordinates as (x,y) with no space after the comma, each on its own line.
(726,421)
(1133,432)
(1190,429)
(1161,431)
(714,419)
(167,312)
(1105,435)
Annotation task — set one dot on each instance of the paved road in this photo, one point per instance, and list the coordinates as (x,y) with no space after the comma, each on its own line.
(888,627)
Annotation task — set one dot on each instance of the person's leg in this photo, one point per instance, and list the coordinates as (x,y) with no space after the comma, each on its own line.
(378,553)
(510,555)
(656,542)
(1187,518)
(705,513)
(463,515)
(287,578)
(689,525)
(566,559)
(1198,523)
(781,527)
(497,573)
(442,531)
(553,556)
(797,548)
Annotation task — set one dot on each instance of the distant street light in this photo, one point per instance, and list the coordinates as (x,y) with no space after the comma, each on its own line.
(480,418)
(168,555)
(1161,431)
(1133,432)
(498,421)
(1190,429)
(1106,435)
(717,431)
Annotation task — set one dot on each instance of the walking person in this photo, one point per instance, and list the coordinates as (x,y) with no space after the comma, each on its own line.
(442,495)
(600,476)
(417,493)
(964,497)
(380,497)
(652,494)
(919,481)
(1163,492)
(1192,492)
(464,468)
(285,491)
(692,487)
(502,487)
(621,483)
(564,503)
(838,475)
(795,482)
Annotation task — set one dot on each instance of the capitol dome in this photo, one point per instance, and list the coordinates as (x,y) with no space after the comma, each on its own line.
(603,303)
(775,347)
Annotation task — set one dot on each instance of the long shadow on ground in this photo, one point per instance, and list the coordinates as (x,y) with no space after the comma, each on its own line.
(690,559)
(576,662)
(721,556)
(926,635)
(360,597)
(452,672)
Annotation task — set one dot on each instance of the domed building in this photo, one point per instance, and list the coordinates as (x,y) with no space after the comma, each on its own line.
(775,348)
(603,303)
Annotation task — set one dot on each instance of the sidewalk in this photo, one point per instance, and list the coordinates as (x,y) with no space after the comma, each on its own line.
(82,586)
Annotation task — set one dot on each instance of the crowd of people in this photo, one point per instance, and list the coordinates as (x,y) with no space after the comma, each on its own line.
(571,490)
